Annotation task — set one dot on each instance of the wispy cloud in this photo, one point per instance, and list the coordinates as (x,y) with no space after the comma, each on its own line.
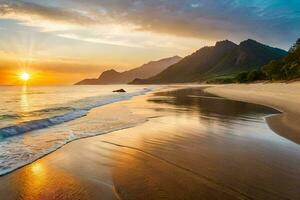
(21,10)
(206,19)
(99,40)
(274,20)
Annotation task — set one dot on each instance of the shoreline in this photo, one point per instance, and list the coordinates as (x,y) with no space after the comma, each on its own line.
(150,167)
(230,91)
(69,121)
(68,142)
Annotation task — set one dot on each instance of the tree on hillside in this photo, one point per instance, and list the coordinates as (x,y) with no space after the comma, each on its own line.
(272,70)
(287,68)
(295,46)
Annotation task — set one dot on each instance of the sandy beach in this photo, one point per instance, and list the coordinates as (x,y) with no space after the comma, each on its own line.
(194,145)
(149,100)
(282,96)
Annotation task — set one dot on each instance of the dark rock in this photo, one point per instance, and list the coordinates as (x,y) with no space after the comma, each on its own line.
(120,90)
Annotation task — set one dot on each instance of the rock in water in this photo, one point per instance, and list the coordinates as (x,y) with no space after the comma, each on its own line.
(120,90)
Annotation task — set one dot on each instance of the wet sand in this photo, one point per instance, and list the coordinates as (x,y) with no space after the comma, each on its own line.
(282,96)
(193,146)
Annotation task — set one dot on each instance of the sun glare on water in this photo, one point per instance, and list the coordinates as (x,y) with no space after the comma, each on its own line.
(24,76)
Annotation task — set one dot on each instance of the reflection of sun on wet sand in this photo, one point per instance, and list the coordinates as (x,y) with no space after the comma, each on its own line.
(41,181)
(65,174)
(37,183)
(192,147)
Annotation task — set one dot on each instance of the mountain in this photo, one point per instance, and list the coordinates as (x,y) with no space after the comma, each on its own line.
(145,71)
(222,59)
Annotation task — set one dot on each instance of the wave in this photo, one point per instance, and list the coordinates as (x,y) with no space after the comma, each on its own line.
(25,127)
(9,163)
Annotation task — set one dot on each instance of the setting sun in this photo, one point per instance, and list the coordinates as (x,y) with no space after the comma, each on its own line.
(25,76)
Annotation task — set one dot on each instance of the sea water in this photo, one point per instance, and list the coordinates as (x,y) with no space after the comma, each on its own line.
(36,120)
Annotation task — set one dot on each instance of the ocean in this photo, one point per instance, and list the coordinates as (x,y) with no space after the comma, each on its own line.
(36,120)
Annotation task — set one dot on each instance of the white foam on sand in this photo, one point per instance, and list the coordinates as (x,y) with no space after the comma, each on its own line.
(47,135)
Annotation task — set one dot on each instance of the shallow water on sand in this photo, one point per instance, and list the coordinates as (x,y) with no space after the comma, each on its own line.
(193,146)
(205,147)
(25,113)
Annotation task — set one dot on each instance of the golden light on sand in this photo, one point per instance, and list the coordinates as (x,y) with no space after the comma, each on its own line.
(37,168)
(25,76)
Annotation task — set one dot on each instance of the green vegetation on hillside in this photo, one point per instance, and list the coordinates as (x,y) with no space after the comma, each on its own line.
(242,77)
(287,68)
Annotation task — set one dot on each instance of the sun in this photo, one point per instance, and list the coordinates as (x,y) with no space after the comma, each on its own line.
(24,76)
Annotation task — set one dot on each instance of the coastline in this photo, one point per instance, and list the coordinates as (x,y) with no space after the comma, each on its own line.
(62,129)
(47,169)
(284,97)
(170,150)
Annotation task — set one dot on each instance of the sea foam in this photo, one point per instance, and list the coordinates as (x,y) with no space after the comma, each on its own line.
(26,142)
(76,113)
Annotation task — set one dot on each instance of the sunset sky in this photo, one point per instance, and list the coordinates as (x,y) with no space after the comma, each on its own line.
(64,41)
